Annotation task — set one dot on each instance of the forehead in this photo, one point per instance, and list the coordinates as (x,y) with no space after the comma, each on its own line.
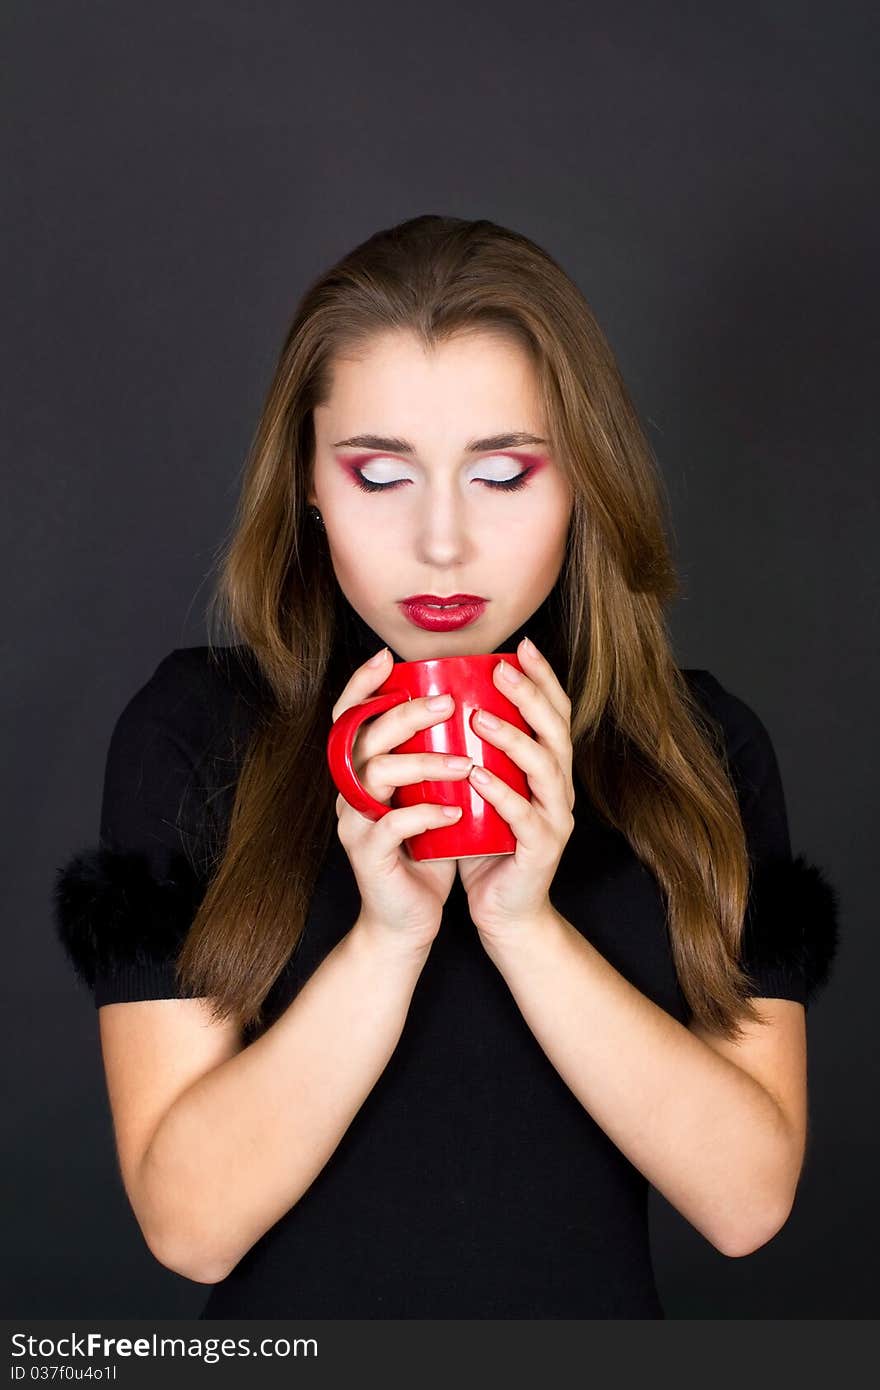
(476,382)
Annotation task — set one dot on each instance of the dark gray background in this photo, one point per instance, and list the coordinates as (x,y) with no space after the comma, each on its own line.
(176,173)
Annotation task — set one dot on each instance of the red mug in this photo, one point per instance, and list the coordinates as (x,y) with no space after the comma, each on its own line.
(468,679)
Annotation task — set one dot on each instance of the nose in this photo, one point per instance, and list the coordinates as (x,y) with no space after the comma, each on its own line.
(443,530)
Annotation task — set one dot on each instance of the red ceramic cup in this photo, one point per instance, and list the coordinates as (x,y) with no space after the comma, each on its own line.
(468,679)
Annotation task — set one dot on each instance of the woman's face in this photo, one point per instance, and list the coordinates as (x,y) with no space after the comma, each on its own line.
(438,428)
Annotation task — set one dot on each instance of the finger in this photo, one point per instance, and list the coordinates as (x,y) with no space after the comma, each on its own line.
(552,728)
(363,682)
(547,780)
(395,726)
(386,771)
(399,825)
(533,704)
(531,829)
(541,673)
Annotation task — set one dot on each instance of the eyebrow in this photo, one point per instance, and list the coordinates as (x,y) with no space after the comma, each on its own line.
(403,446)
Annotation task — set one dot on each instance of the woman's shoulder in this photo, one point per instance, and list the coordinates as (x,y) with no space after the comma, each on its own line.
(791,936)
(739,721)
(194,689)
(207,671)
(750,753)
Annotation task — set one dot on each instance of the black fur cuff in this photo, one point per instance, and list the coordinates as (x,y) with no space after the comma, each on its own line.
(793,921)
(112,913)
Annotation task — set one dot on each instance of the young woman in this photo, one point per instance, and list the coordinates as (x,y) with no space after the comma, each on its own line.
(347,1084)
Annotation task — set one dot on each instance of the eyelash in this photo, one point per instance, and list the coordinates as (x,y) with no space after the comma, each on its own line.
(508,485)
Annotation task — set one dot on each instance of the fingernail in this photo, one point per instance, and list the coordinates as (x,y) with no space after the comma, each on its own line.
(451,812)
(439,702)
(479,774)
(509,673)
(529,646)
(378,658)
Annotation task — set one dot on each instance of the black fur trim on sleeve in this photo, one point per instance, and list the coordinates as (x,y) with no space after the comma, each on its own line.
(111,912)
(792,921)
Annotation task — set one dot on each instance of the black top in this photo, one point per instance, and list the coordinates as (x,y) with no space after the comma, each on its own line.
(471,1183)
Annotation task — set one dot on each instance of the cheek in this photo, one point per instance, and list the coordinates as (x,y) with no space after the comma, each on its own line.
(555,514)
(530,548)
(360,553)
(538,525)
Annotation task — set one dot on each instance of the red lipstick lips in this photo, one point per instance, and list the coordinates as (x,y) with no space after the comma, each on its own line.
(437,613)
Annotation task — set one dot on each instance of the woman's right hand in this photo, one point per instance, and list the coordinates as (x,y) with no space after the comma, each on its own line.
(401,898)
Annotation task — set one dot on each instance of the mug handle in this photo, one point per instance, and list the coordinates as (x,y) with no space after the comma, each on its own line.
(340,744)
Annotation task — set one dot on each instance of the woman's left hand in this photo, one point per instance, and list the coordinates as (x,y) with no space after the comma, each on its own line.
(508,890)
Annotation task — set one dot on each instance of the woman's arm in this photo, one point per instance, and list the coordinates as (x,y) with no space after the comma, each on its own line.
(239,1148)
(723,1147)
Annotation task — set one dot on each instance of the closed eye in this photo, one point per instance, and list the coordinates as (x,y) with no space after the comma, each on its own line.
(505,484)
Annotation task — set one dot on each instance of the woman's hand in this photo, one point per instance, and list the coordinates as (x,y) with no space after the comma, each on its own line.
(506,890)
(401,898)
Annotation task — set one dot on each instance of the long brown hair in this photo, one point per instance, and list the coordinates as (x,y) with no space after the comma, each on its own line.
(651,761)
